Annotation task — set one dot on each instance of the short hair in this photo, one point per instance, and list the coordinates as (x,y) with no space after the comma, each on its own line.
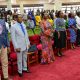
(9,12)
(69,15)
(58,14)
(15,16)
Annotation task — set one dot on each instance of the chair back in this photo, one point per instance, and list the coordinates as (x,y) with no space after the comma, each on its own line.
(11,47)
(35,39)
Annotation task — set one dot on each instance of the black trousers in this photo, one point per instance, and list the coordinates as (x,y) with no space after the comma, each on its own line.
(78,37)
(61,42)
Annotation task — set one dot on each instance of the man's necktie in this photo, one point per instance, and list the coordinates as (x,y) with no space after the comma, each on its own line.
(22,28)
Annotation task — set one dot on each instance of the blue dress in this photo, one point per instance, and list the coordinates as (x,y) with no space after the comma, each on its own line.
(72,22)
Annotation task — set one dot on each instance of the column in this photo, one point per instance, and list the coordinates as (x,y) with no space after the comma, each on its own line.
(48,6)
(9,4)
(57,5)
(21,8)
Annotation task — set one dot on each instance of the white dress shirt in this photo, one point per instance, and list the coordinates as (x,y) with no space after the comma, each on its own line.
(78,22)
(7,26)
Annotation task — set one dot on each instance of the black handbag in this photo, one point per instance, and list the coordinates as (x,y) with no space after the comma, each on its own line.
(32,48)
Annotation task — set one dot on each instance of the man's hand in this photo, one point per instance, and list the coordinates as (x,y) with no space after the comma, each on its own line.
(8,49)
(18,49)
(28,46)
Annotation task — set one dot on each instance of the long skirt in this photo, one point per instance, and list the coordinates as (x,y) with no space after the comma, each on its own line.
(78,37)
(72,35)
(60,42)
(47,50)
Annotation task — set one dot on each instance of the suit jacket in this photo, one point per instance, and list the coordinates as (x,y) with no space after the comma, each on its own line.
(19,40)
(4,41)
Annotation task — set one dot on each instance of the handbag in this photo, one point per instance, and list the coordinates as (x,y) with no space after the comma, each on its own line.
(32,48)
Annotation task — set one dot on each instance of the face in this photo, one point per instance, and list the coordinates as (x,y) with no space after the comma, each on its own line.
(49,17)
(19,19)
(30,18)
(45,16)
(61,14)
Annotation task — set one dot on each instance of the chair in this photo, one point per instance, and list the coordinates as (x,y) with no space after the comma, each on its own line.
(35,39)
(32,57)
(12,58)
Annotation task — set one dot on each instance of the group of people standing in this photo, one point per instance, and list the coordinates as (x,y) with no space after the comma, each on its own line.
(58,32)
(20,40)
(53,27)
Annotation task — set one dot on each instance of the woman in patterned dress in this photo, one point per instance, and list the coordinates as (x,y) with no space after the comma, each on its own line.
(72,29)
(46,38)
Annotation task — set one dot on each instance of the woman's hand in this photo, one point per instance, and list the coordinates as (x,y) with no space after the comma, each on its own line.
(58,35)
(75,30)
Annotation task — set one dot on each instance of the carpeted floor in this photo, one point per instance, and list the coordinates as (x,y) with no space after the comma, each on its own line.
(64,68)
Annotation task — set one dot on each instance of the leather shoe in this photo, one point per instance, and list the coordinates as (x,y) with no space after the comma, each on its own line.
(20,74)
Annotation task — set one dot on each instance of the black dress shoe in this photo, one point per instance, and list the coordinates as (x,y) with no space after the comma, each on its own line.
(20,74)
